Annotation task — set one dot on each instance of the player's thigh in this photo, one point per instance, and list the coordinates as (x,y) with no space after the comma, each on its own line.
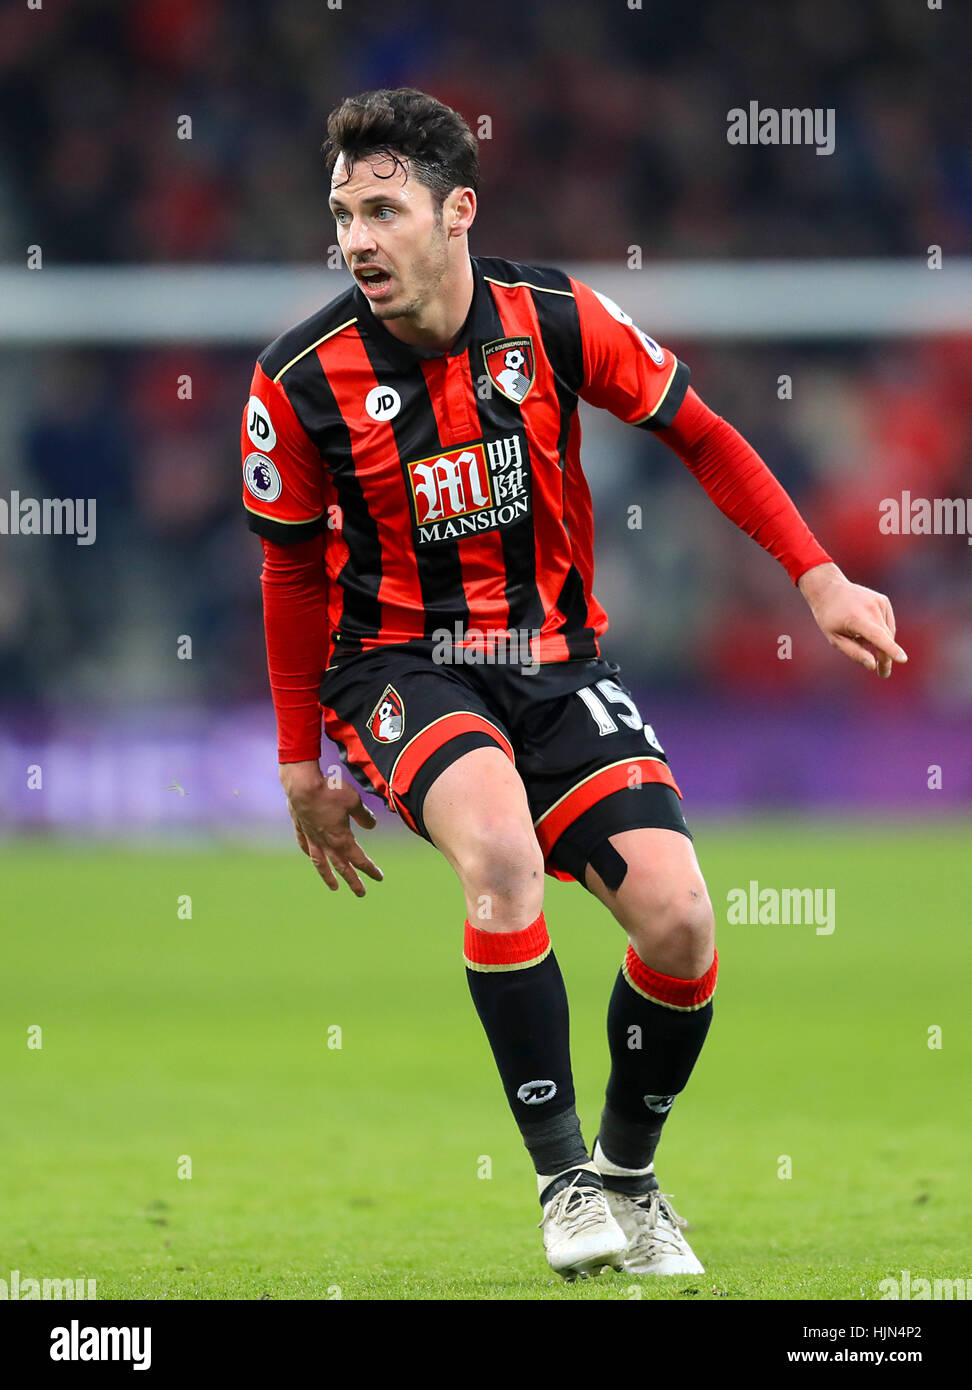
(662,901)
(476,812)
(478,794)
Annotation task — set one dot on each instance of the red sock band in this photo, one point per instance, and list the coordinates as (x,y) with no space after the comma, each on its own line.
(685,995)
(506,950)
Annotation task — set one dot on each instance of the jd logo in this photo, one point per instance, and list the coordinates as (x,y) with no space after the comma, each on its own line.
(383,402)
(258,425)
(536,1092)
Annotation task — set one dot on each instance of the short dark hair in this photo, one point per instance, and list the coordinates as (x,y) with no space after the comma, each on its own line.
(405,124)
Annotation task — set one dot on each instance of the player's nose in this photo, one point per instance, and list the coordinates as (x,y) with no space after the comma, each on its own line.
(360,239)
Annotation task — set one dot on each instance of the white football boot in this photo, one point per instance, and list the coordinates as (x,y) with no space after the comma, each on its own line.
(653,1227)
(655,1241)
(580,1236)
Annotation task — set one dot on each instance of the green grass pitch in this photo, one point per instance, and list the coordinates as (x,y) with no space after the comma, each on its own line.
(389,1167)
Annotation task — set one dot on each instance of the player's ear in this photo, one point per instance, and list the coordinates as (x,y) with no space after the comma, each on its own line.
(459,210)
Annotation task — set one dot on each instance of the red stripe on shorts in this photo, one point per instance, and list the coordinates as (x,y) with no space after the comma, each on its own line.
(431,739)
(595,788)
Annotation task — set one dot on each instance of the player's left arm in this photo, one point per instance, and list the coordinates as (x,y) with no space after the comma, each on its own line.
(641,382)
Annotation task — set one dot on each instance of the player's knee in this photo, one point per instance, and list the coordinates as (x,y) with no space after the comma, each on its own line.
(501,867)
(673,929)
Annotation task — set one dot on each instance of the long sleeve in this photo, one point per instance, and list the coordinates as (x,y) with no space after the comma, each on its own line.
(283,493)
(294,586)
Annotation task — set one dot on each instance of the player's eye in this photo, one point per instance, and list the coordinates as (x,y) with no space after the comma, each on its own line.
(384,210)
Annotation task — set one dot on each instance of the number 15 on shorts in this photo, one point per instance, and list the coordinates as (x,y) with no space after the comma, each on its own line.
(605,721)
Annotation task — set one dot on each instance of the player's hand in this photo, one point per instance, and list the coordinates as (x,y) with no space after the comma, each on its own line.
(859,622)
(322,818)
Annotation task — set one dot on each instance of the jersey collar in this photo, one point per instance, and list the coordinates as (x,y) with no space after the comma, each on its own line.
(477,327)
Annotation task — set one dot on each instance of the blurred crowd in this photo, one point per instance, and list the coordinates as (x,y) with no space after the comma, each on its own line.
(603,125)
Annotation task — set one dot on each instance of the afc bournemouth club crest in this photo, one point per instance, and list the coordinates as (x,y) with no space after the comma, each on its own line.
(511,364)
(387,722)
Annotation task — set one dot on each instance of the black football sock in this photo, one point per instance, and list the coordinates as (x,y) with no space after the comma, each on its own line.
(657,1025)
(519,994)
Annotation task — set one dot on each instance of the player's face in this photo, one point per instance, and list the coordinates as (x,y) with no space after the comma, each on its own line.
(389,223)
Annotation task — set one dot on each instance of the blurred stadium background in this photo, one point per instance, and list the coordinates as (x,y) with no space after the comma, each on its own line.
(166,257)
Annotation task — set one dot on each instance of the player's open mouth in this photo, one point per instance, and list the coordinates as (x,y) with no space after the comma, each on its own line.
(373,280)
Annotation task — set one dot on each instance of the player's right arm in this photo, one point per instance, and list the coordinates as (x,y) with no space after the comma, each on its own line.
(283,493)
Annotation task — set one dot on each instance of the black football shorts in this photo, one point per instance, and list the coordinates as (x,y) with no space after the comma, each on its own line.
(590,765)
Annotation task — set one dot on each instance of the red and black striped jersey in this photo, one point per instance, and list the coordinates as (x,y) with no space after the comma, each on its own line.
(449,487)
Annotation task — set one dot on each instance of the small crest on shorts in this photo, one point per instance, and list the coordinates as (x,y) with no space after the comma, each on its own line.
(387,720)
(512,366)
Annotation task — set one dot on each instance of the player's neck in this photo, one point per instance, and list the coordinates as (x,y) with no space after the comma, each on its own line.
(439,324)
